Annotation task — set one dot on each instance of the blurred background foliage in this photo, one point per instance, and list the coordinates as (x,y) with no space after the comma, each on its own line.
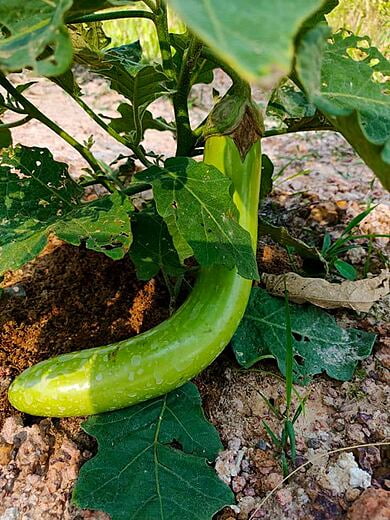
(363,17)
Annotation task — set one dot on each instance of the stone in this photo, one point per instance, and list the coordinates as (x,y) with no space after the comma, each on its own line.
(373,504)
(5,453)
(345,474)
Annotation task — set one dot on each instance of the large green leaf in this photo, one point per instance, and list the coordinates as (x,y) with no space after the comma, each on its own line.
(151,463)
(33,34)
(318,17)
(255,37)
(152,249)
(196,198)
(346,79)
(37,198)
(319,344)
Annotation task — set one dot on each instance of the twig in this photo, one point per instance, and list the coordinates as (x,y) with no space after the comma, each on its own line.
(14,124)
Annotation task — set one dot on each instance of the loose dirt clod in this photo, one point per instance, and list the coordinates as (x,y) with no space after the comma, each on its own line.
(75,299)
(373,504)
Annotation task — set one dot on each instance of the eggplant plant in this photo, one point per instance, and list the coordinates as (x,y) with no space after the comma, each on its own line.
(205,199)
(205,209)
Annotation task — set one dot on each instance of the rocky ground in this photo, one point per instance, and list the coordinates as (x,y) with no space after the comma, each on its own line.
(76,299)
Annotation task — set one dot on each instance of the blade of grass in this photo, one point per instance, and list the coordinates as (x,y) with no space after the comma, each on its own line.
(291,435)
(272,435)
(289,353)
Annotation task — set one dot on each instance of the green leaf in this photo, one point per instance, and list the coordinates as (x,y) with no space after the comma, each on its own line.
(37,198)
(5,137)
(326,243)
(33,34)
(68,83)
(196,198)
(126,123)
(289,102)
(282,236)
(345,77)
(267,171)
(151,463)
(152,249)
(255,37)
(317,17)
(319,344)
(140,83)
(345,269)
(289,111)
(203,70)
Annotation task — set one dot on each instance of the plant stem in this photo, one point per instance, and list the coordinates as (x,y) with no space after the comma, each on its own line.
(113,15)
(289,353)
(137,188)
(186,138)
(14,124)
(161,23)
(32,111)
(271,133)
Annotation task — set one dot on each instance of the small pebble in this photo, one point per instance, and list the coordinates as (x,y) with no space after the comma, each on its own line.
(238,484)
(5,453)
(352,494)
(262,445)
(234,444)
(314,443)
(284,497)
(339,425)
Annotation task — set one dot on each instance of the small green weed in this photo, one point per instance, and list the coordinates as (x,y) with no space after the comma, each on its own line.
(285,443)
(331,251)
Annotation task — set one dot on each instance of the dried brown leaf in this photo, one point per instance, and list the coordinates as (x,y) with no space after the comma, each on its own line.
(358,295)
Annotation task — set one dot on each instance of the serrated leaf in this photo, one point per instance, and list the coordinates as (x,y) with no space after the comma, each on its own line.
(319,344)
(196,198)
(151,463)
(140,83)
(152,249)
(37,198)
(244,33)
(129,55)
(340,76)
(30,29)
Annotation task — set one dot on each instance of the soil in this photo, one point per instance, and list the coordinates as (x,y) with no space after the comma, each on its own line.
(75,298)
